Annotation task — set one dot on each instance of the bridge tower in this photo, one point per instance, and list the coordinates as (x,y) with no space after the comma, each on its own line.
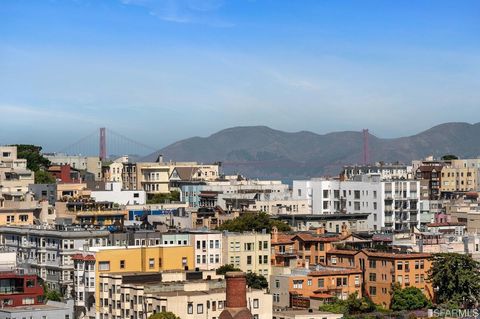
(103,144)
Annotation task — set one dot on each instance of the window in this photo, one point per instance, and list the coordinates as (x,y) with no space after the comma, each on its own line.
(217,243)
(265,245)
(373,291)
(122,264)
(334,260)
(373,263)
(309,282)
(255,303)
(249,260)
(23,218)
(190,308)
(356,194)
(151,263)
(28,301)
(298,284)
(321,282)
(277,283)
(399,265)
(199,308)
(104,265)
(373,276)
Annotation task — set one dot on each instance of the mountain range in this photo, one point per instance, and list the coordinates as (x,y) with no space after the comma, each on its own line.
(262,152)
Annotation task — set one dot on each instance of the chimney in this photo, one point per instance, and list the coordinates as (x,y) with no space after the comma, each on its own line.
(320,230)
(274,234)
(236,297)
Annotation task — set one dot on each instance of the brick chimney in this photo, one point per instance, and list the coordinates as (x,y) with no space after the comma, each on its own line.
(320,230)
(236,307)
(274,234)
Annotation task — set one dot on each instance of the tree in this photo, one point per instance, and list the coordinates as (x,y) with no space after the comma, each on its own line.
(173,196)
(43,177)
(253,280)
(410,298)
(53,295)
(164,315)
(456,279)
(449,157)
(35,160)
(253,221)
(222,270)
(353,305)
(256,281)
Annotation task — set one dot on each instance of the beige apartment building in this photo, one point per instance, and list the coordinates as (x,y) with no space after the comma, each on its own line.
(459,179)
(190,295)
(91,164)
(249,251)
(155,177)
(14,175)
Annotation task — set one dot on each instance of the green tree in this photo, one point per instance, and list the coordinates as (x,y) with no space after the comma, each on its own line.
(222,270)
(256,281)
(253,221)
(32,153)
(449,157)
(53,295)
(43,177)
(173,196)
(163,315)
(410,298)
(353,305)
(456,279)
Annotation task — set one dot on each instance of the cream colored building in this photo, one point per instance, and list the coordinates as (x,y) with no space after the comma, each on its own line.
(14,175)
(461,179)
(72,190)
(249,251)
(188,295)
(91,164)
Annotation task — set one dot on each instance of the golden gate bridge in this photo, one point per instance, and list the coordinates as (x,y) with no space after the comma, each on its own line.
(105,142)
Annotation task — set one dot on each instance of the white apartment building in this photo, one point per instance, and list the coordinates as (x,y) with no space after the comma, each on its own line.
(49,251)
(208,249)
(113,193)
(249,251)
(392,204)
(91,164)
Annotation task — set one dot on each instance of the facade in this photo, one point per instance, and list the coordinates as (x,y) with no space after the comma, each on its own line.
(20,290)
(327,197)
(113,193)
(296,287)
(249,251)
(391,204)
(431,175)
(458,179)
(50,310)
(43,192)
(385,170)
(190,295)
(90,164)
(14,175)
(144,259)
(381,270)
(208,249)
(48,252)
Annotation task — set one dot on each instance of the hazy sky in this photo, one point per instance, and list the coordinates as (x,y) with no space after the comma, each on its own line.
(162,70)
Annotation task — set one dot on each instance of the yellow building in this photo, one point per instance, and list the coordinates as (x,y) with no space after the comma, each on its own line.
(458,179)
(135,259)
(16,217)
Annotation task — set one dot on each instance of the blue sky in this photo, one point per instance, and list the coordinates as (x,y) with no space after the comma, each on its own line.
(162,70)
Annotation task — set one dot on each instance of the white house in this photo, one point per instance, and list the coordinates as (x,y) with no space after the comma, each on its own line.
(113,193)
